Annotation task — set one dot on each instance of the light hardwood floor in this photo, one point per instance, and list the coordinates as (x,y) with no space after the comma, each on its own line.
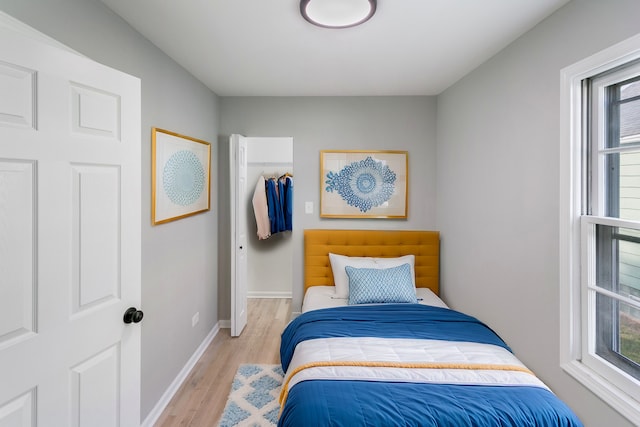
(201,398)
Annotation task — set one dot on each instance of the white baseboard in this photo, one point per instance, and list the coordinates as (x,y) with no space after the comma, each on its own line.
(269,294)
(225,324)
(157,410)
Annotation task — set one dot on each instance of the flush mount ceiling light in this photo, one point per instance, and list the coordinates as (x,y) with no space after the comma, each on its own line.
(337,13)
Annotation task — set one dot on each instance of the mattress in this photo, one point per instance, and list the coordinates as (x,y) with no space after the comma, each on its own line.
(318,297)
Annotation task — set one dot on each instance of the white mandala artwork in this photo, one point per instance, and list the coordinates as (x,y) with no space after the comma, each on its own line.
(181,176)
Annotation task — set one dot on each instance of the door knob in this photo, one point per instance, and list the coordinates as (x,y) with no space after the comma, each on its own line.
(133,315)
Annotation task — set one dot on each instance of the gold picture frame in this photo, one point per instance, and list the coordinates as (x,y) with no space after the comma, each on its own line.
(180,176)
(364,183)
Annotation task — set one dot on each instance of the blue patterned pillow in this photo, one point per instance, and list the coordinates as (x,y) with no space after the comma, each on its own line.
(381,285)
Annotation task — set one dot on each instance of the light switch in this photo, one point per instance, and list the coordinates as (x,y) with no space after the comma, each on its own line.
(308,207)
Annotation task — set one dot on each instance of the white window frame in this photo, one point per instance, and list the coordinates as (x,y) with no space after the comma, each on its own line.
(593,373)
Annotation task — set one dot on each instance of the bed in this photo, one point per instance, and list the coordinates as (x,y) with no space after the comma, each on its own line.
(376,346)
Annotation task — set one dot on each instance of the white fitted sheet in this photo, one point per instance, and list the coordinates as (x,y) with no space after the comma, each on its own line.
(324,297)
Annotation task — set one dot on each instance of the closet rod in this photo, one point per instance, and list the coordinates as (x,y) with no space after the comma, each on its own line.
(269,163)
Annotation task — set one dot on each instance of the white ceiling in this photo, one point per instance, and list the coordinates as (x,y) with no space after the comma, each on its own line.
(265,48)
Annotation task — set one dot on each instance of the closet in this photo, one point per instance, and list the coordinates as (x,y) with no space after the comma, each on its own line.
(270,260)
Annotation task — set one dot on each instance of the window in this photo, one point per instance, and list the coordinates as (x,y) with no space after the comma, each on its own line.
(612,257)
(600,225)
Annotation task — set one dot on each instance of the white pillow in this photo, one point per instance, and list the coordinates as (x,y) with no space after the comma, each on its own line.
(341,280)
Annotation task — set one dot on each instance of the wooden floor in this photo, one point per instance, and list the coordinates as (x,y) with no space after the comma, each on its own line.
(202,397)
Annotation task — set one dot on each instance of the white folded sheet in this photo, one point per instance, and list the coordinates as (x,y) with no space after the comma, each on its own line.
(324,297)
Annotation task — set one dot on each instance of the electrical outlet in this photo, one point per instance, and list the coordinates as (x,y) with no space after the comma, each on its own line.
(195,319)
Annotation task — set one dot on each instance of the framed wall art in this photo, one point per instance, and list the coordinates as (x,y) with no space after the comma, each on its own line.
(180,175)
(363,184)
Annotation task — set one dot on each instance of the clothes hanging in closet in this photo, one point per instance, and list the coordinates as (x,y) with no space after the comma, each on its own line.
(261,209)
(273,205)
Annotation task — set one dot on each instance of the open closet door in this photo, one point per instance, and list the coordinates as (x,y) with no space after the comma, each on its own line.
(238,168)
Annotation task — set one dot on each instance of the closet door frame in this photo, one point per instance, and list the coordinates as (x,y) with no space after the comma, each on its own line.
(238,179)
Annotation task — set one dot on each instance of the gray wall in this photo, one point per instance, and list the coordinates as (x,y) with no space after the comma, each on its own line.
(179,259)
(342,123)
(498,188)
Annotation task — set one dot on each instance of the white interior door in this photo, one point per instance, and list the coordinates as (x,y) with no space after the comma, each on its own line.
(69,237)
(238,167)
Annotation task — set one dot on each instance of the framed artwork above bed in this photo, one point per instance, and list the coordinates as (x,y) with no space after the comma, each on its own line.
(363,183)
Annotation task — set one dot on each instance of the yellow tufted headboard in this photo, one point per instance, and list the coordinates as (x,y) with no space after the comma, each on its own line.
(425,245)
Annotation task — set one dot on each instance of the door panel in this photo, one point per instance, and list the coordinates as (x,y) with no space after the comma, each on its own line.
(20,411)
(96,246)
(95,112)
(17,213)
(94,385)
(17,107)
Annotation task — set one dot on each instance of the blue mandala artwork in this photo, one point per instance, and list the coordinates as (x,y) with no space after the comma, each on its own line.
(183,178)
(365,184)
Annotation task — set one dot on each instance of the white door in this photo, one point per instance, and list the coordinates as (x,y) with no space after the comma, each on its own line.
(69,237)
(238,167)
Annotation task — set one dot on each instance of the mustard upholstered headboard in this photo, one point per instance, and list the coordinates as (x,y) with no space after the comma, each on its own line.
(424,245)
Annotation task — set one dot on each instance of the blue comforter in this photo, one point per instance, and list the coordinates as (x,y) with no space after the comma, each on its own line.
(374,403)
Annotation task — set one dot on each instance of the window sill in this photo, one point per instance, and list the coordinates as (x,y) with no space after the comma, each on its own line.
(611,395)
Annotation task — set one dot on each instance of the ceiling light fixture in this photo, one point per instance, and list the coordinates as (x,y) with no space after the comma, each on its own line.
(337,13)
